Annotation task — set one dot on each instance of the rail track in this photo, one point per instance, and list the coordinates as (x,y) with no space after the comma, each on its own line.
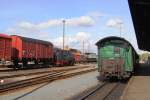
(19,73)
(4,88)
(101,92)
(35,67)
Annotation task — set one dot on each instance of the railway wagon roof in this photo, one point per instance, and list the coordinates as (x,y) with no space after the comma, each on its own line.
(5,36)
(111,38)
(75,51)
(114,38)
(34,40)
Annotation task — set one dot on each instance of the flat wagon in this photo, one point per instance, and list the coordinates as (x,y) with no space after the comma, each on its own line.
(116,57)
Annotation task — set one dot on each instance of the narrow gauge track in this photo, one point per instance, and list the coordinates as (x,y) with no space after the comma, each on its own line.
(4,88)
(101,92)
(36,72)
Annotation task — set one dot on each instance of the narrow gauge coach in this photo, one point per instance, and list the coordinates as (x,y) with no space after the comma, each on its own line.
(63,57)
(116,58)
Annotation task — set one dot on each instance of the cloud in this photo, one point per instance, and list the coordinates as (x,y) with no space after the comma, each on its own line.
(82,36)
(72,40)
(95,14)
(115,23)
(27,27)
(83,21)
(76,41)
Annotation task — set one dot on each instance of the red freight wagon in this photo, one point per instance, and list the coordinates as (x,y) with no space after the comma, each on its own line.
(5,47)
(76,54)
(27,49)
(77,57)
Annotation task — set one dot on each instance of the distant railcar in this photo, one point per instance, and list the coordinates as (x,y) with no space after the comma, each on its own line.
(5,48)
(63,57)
(89,58)
(76,54)
(27,49)
(116,57)
(77,57)
(57,57)
(68,58)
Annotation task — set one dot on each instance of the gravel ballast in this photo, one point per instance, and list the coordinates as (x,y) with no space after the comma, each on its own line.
(58,90)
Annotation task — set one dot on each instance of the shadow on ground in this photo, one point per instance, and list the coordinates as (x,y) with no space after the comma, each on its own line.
(143,70)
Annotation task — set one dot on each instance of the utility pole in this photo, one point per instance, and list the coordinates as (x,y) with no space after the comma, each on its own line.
(88,47)
(83,47)
(63,33)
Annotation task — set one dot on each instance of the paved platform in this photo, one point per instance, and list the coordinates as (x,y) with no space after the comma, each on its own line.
(138,87)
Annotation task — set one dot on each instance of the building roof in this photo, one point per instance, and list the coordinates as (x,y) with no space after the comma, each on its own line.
(140,12)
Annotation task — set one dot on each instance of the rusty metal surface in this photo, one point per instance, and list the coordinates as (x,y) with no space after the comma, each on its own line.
(112,66)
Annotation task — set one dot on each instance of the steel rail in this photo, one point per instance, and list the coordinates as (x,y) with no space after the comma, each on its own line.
(40,72)
(42,79)
(100,89)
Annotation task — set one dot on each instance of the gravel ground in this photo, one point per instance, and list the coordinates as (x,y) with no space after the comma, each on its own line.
(57,90)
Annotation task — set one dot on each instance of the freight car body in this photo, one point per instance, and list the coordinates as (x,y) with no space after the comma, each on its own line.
(116,58)
(76,54)
(91,57)
(5,48)
(88,58)
(26,50)
(63,57)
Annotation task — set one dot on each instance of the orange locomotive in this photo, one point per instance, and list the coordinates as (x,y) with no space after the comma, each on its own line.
(76,54)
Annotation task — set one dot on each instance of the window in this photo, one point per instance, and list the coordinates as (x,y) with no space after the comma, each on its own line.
(117,50)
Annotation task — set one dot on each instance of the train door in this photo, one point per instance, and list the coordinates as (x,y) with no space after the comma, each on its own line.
(119,60)
(128,60)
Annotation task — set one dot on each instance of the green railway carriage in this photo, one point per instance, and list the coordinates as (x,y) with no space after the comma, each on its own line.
(116,57)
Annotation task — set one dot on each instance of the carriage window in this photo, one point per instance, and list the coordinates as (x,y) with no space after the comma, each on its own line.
(116,50)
